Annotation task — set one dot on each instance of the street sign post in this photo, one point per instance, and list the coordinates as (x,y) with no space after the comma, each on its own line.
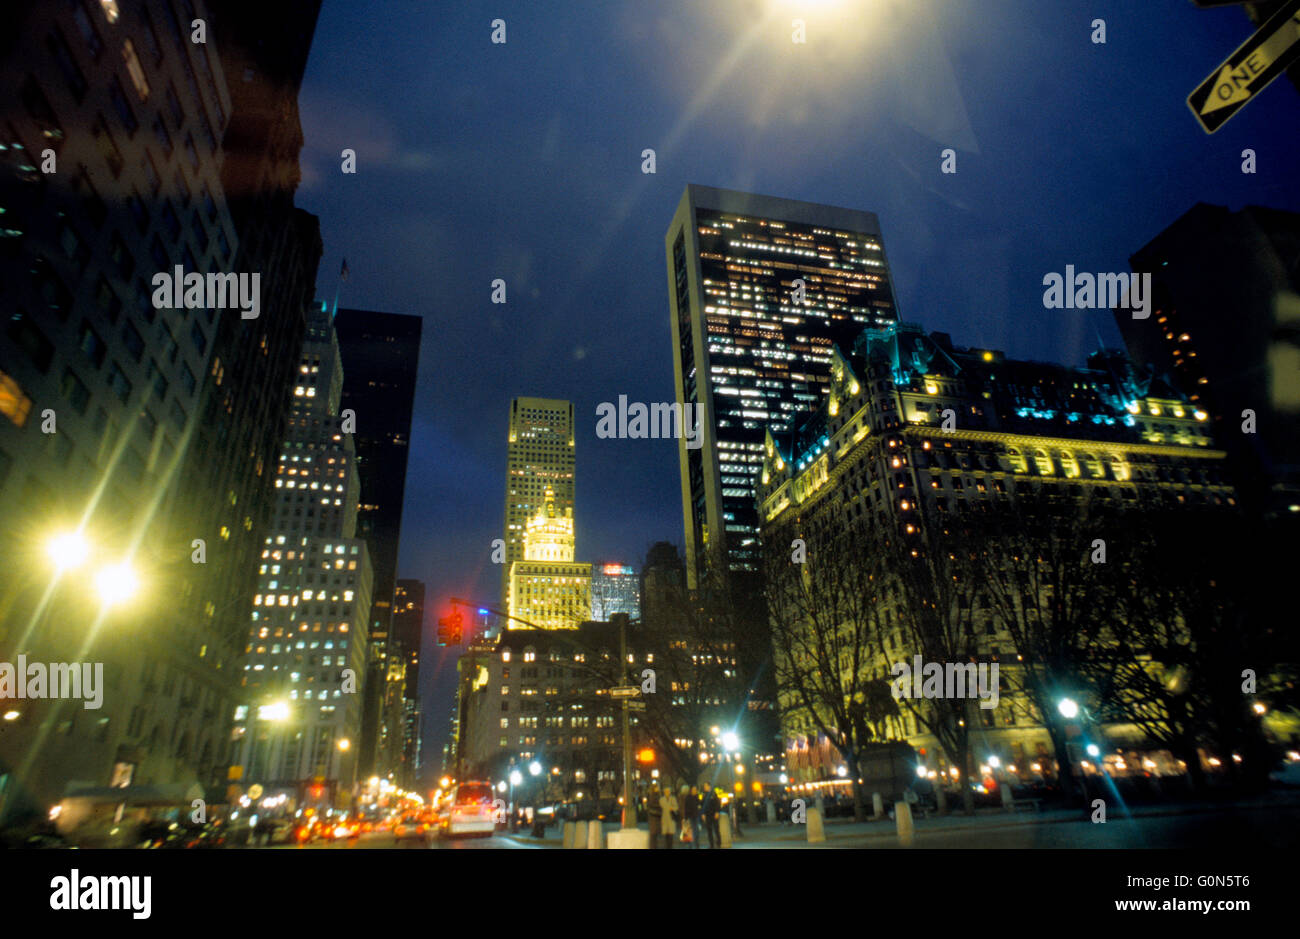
(636,705)
(624,691)
(1257,61)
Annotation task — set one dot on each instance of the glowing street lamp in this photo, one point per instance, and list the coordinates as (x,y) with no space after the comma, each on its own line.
(345,744)
(534,768)
(68,550)
(730,741)
(276,711)
(1069,708)
(116,583)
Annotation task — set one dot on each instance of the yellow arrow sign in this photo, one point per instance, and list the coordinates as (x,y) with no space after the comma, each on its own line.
(1232,84)
(1237,81)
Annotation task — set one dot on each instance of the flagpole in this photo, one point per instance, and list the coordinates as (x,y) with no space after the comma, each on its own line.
(343,275)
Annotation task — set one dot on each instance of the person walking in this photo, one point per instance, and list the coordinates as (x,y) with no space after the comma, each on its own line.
(654,813)
(671,816)
(709,816)
(691,816)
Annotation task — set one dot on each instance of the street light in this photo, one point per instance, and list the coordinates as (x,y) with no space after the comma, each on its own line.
(534,768)
(730,741)
(1069,708)
(68,550)
(116,583)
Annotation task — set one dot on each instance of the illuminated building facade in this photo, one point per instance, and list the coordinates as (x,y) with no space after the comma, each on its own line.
(536,695)
(547,588)
(615,588)
(759,289)
(876,456)
(539,457)
(407,636)
(307,643)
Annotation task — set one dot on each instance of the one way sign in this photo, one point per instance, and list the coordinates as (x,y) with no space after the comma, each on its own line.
(1259,60)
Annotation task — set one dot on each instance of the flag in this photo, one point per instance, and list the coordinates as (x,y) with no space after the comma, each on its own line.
(343,274)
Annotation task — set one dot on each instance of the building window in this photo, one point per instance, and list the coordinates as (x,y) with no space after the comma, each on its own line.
(58,47)
(1017,461)
(117,94)
(134,70)
(75,390)
(1044,463)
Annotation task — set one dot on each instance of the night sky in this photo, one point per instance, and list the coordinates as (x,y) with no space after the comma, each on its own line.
(523,161)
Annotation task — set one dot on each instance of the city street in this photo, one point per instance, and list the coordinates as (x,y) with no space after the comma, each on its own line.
(1270,823)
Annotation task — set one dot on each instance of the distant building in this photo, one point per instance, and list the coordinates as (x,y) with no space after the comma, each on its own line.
(381,357)
(1220,329)
(515,706)
(663,583)
(615,588)
(304,666)
(540,456)
(406,638)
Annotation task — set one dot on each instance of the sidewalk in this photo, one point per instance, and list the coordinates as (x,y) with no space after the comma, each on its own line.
(986,819)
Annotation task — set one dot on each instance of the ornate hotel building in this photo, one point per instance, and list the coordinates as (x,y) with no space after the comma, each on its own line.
(547,589)
(877,455)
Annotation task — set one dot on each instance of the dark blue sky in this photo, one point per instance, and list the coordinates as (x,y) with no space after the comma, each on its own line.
(523,161)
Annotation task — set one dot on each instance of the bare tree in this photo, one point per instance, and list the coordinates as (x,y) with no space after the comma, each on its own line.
(826,621)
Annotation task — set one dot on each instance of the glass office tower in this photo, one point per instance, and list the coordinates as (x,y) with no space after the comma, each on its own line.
(759,289)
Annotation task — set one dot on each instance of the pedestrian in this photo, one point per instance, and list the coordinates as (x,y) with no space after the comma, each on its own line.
(709,817)
(654,813)
(690,816)
(671,816)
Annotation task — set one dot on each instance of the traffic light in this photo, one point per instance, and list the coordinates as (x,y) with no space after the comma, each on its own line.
(451,629)
(645,755)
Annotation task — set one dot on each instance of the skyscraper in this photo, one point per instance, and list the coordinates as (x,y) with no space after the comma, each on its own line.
(129,122)
(305,660)
(539,456)
(381,359)
(407,635)
(381,355)
(1217,327)
(759,288)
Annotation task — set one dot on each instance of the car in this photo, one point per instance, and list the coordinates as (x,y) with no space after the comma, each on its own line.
(412,827)
(471,810)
